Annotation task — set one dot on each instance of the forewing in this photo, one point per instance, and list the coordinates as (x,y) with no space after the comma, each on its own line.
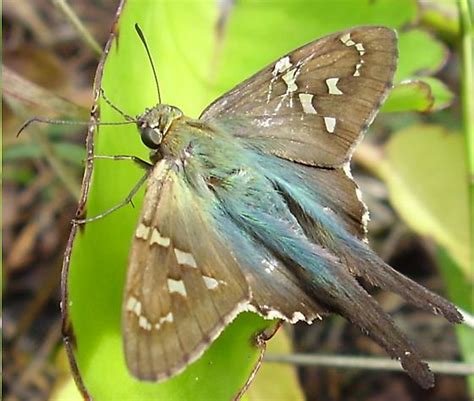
(313,105)
(183,286)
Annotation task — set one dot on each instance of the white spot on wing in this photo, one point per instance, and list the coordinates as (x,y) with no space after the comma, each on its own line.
(332,86)
(134,305)
(346,39)
(210,282)
(290,81)
(360,48)
(269,313)
(366,215)
(356,72)
(274,314)
(330,123)
(297,316)
(306,100)
(185,258)
(168,318)
(176,286)
(156,238)
(282,65)
(144,323)
(142,231)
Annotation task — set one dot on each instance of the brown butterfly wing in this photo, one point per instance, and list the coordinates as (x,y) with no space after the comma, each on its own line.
(313,105)
(182,286)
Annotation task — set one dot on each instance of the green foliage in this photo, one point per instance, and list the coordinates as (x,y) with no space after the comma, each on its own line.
(424,94)
(420,53)
(425,171)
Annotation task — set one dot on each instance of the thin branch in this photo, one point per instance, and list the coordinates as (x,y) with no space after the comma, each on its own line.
(78,25)
(369,363)
(467,98)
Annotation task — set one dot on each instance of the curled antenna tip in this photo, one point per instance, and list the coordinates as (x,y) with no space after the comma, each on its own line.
(68,122)
(24,125)
(138,29)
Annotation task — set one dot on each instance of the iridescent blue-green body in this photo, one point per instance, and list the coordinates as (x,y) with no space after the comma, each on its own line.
(252,207)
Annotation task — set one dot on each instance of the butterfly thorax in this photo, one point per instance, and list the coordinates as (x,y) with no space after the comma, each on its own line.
(196,147)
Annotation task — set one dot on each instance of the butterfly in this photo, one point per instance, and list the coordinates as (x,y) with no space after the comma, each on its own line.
(252,207)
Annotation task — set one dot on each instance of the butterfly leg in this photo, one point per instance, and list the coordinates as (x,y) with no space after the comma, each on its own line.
(125,202)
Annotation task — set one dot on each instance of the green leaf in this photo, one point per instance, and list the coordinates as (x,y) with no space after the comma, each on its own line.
(195,64)
(443,97)
(420,53)
(409,95)
(425,170)
(423,95)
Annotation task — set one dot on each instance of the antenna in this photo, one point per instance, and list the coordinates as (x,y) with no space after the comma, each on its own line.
(142,38)
(66,122)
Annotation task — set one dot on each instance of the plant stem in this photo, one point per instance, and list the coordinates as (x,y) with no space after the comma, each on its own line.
(467,99)
(78,25)
(370,363)
(467,94)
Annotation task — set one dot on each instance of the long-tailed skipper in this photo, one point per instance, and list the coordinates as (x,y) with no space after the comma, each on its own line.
(252,207)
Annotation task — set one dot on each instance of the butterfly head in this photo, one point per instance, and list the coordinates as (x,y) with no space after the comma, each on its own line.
(154,123)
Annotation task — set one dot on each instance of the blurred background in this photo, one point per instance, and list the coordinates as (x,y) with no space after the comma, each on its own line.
(412,168)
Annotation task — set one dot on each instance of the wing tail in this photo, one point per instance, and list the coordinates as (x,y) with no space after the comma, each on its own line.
(331,285)
(350,300)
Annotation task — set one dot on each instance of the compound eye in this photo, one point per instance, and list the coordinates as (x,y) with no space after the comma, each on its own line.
(151,137)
